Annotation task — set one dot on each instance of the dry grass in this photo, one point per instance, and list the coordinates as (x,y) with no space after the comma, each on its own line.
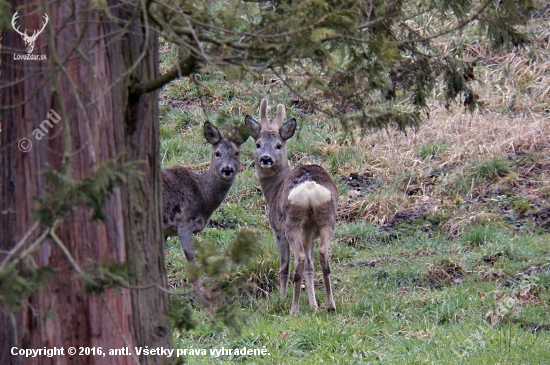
(434,167)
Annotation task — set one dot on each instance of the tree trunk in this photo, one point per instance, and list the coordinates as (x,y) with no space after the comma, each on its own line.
(92,56)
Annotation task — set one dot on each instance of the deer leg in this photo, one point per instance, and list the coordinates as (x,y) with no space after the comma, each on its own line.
(185,234)
(309,273)
(295,239)
(327,233)
(284,259)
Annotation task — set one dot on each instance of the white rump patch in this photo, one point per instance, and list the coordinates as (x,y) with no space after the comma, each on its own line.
(309,194)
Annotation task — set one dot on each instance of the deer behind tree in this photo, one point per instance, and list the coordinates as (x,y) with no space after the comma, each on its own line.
(189,199)
(302,204)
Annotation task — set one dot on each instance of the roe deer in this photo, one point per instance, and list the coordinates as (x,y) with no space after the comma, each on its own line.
(189,199)
(302,204)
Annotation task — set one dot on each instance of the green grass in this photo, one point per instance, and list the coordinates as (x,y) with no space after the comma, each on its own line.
(431,150)
(392,313)
(491,169)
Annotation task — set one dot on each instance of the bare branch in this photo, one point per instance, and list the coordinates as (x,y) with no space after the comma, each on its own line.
(183,68)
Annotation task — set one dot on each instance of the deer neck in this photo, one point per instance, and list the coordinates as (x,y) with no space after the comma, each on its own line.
(272,183)
(214,188)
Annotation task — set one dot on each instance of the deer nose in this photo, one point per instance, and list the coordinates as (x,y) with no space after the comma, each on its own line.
(227,171)
(265,161)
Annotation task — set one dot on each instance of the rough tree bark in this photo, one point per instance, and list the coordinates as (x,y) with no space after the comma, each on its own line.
(93,57)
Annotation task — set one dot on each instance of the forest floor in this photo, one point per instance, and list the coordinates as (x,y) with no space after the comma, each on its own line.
(442,246)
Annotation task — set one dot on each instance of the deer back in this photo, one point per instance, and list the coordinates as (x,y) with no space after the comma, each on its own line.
(307,193)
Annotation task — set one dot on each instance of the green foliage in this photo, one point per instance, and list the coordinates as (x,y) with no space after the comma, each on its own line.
(502,19)
(64,193)
(376,62)
(216,265)
(17,283)
(180,313)
(243,248)
(107,274)
(5,15)
(260,272)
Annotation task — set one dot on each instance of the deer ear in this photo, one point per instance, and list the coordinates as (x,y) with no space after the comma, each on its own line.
(211,133)
(288,129)
(255,127)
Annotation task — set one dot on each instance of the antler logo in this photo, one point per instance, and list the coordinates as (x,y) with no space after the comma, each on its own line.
(29,41)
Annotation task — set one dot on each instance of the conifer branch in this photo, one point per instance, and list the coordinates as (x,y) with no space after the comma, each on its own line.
(184,68)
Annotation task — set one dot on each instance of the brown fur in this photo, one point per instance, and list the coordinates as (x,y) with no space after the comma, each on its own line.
(295,226)
(189,199)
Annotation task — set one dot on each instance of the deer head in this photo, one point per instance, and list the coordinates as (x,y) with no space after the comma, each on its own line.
(271,137)
(225,160)
(29,40)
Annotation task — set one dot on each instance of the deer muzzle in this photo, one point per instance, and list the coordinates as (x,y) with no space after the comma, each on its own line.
(228,171)
(265,161)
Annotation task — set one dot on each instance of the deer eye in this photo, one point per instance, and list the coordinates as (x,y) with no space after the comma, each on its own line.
(218,154)
(237,153)
(258,145)
(279,146)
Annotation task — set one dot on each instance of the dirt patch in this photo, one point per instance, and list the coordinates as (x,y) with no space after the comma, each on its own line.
(357,180)
(363,263)
(415,187)
(407,216)
(404,217)
(444,274)
(214,223)
(541,218)
(535,327)
(492,275)
(304,106)
(188,104)
(490,259)
(531,270)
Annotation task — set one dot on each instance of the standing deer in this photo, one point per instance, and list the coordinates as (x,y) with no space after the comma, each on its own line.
(302,204)
(29,40)
(189,199)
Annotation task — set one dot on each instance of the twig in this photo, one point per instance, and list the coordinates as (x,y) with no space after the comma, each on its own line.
(32,247)
(19,244)
(68,255)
